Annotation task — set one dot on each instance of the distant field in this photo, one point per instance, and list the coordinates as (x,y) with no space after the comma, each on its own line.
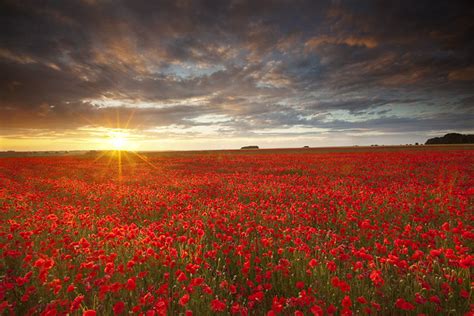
(345,149)
(247,151)
(385,230)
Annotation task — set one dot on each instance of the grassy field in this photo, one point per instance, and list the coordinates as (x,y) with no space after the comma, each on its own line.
(348,230)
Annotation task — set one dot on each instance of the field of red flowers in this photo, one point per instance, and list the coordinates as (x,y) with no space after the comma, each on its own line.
(283,233)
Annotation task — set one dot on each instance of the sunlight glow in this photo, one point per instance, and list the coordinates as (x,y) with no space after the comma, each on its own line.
(118,141)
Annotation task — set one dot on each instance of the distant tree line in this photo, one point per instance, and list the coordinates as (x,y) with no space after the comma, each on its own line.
(451,138)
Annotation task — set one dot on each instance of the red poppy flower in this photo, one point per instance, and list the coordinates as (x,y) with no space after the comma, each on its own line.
(218,306)
(404,305)
(131,284)
(119,307)
(184,300)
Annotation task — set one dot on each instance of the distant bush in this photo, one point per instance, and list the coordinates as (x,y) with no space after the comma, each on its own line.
(249,147)
(451,138)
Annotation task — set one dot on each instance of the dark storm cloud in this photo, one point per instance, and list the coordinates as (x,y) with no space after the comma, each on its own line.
(337,65)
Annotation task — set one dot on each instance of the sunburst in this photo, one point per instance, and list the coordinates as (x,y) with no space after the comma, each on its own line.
(119,140)
(119,145)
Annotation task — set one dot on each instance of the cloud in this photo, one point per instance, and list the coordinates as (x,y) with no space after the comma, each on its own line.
(464,74)
(263,65)
(350,41)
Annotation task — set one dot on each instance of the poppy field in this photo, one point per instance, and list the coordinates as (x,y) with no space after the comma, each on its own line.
(240,233)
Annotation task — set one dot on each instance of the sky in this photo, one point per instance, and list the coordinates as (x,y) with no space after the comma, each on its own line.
(185,75)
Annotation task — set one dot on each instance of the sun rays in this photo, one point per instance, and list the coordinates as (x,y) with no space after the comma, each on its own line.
(119,147)
(123,161)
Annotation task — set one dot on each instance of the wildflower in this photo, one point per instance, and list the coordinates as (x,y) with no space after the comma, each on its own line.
(119,307)
(312,263)
(76,303)
(181,276)
(184,300)
(376,277)
(131,284)
(218,306)
(316,310)
(361,300)
(346,302)
(331,266)
(404,305)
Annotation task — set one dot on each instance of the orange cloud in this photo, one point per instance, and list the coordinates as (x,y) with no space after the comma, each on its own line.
(13,56)
(462,74)
(408,77)
(122,52)
(350,41)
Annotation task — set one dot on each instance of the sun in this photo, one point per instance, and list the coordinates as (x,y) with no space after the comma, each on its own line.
(118,141)
(121,149)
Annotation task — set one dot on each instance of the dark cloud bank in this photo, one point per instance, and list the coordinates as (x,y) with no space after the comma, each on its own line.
(241,68)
